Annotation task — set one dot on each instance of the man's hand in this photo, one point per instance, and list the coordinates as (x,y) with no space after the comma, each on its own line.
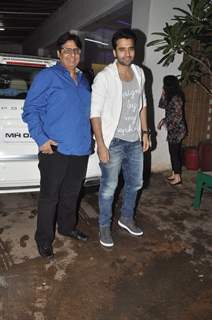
(146,142)
(46,147)
(103,153)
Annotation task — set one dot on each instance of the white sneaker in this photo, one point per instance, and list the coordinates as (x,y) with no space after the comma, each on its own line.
(105,237)
(130,226)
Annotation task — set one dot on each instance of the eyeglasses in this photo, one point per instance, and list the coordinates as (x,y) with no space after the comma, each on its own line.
(74,51)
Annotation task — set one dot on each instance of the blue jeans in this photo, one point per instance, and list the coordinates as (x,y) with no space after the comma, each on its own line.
(127,156)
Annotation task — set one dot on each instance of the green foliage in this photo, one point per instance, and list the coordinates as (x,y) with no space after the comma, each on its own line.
(190,35)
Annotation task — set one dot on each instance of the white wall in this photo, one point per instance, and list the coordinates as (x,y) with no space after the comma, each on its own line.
(151,16)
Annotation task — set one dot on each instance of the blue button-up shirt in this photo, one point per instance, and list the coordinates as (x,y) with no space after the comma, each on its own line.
(58,108)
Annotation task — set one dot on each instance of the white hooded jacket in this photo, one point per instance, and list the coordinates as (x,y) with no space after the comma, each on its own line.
(106,100)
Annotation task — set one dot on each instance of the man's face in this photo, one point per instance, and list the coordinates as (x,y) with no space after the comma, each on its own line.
(69,55)
(125,51)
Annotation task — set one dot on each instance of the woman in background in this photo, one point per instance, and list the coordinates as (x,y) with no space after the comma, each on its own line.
(172,100)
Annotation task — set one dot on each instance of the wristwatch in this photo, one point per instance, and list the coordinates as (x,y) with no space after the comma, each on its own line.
(147,131)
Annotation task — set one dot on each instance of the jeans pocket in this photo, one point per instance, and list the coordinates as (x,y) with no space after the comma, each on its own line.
(113,142)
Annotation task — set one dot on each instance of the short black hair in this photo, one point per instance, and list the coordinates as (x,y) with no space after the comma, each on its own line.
(123,33)
(67,37)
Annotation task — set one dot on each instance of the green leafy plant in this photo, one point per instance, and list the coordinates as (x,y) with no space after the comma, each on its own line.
(190,35)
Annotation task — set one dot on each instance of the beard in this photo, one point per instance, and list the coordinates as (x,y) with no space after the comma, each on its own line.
(124,62)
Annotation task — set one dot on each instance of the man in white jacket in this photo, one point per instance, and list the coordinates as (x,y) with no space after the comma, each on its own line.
(119,121)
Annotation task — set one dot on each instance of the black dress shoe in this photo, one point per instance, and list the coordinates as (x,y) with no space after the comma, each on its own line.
(76,234)
(45,251)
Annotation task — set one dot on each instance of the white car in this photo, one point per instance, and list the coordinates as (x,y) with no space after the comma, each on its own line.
(18,152)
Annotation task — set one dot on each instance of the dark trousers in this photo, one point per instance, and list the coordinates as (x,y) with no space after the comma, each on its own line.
(61,181)
(175,151)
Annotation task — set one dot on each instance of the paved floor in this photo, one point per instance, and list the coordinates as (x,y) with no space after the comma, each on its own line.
(164,275)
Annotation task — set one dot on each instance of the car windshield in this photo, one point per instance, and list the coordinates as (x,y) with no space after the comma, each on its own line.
(15,80)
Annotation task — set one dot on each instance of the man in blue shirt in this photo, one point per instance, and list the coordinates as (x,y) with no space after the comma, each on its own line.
(57,110)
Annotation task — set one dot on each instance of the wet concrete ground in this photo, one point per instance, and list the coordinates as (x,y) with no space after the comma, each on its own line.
(164,275)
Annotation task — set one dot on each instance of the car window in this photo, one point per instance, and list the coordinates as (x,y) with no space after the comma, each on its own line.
(15,80)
